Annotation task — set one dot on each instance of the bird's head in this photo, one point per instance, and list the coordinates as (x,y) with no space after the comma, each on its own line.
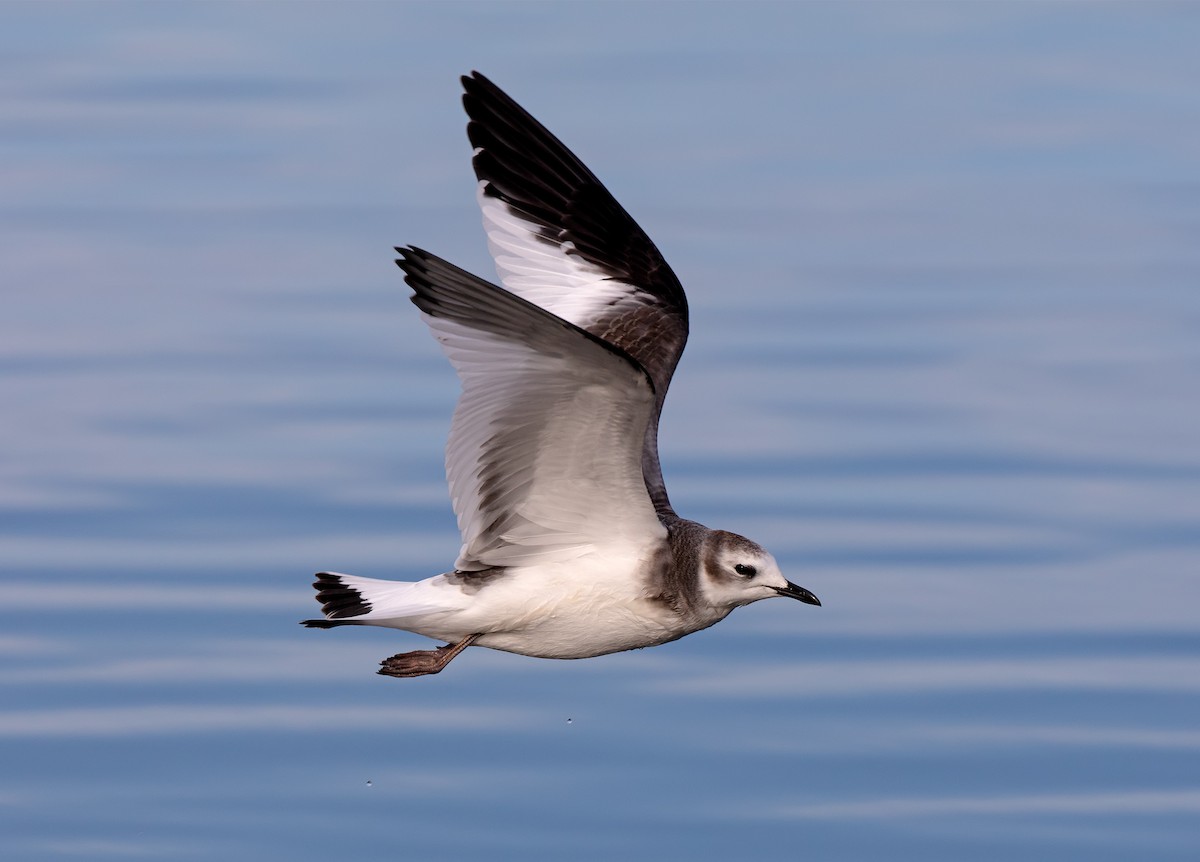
(735,571)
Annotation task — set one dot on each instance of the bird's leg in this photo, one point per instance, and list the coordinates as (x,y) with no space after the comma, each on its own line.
(424,661)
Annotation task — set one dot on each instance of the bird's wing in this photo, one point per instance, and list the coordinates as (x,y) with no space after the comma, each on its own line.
(544,456)
(561,241)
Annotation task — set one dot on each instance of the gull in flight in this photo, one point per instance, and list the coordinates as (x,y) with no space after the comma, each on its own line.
(570,546)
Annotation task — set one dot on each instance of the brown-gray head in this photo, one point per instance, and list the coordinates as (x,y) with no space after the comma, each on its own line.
(735,571)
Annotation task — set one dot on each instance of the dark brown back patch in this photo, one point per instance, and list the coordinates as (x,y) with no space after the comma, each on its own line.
(472,582)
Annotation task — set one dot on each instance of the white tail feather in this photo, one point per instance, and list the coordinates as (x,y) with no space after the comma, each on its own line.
(354,599)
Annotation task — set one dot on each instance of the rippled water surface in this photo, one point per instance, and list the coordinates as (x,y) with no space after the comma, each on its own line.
(943,269)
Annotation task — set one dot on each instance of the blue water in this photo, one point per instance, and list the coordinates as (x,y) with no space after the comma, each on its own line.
(945,285)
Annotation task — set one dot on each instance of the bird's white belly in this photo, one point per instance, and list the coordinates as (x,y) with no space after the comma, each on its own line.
(588,607)
(581,631)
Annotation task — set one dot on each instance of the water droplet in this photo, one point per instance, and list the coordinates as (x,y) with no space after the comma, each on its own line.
(370,783)
(569,720)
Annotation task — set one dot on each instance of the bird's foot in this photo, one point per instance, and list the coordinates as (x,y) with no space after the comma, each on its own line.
(424,661)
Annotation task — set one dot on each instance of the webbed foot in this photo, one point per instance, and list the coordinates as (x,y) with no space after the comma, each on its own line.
(423,662)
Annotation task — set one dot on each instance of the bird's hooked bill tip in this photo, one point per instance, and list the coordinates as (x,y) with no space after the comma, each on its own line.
(799,593)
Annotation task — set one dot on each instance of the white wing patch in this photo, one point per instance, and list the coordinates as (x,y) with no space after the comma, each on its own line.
(545,272)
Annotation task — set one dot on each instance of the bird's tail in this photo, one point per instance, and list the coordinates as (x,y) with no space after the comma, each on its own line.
(348,600)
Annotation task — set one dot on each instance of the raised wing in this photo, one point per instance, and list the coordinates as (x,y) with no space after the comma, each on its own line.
(561,241)
(544,456)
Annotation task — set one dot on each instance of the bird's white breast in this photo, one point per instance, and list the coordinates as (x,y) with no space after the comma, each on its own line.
(599,603)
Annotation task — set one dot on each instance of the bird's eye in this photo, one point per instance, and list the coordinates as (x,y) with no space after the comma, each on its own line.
(745,571)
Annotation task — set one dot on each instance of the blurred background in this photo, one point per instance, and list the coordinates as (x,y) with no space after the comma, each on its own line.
(943,268)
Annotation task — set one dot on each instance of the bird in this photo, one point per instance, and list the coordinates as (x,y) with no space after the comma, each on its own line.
(570,545)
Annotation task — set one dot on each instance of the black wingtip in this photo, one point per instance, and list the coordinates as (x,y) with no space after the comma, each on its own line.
(427,273)
(476,79)
(404,252)
(414,262)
